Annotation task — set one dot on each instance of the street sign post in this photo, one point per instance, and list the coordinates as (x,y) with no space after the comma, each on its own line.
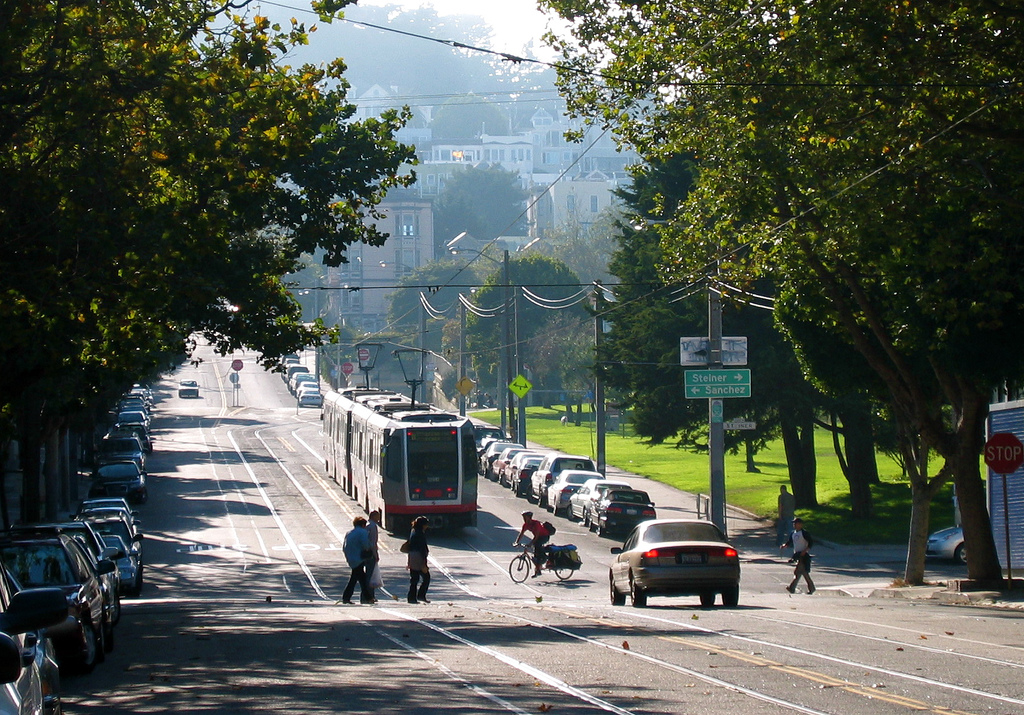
(1004,453)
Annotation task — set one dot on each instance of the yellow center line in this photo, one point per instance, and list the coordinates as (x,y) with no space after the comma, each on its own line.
(286,444)
(814,676)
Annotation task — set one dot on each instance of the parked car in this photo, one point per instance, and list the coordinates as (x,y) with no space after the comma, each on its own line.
(947,544)
(675,557)
(96,502)
(28,666)
(128,404)
(482,432)
(133,417)
(119,449)
(94,548)
(120,479)
(302,378)
(619,510)
(129,533)
(310,399)
(127,429)
(568,483)
(493,450)
(60,561)
(521,480)
(550,468)
(589,492)
(127,565)
(502,462)
(188,389)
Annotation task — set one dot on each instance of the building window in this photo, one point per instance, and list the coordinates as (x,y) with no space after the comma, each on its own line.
(593,204)
(408,225)
(570,203)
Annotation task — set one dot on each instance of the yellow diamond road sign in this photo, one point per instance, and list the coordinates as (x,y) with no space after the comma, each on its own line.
(520,386)
(465,385)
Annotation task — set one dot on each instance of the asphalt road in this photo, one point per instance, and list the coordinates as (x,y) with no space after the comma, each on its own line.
(240,612)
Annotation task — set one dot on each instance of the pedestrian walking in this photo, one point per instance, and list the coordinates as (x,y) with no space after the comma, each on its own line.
(358,554)
(801,541)
(419,569)
(784,520)
(373,575)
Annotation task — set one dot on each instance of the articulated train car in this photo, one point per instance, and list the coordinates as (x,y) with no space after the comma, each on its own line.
(405,460)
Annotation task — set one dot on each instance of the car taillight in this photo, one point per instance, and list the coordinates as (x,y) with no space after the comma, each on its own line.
(730,553)
(614,510)
(650,513)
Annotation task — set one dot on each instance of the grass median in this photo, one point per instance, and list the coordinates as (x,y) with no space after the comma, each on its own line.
(756,492)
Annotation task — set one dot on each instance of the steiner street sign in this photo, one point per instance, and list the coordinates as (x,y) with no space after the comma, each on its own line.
(717,383)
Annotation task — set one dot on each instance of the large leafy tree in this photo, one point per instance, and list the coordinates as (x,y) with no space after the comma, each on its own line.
(865,155)
(485,202)
(161,171)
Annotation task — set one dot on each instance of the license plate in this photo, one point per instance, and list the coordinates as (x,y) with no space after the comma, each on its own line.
(691,558)
(631,511)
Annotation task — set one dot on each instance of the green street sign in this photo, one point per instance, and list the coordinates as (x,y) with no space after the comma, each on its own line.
(520,386)
(704,384)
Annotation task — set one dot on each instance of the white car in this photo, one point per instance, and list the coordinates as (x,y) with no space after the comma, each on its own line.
(586,495)
(568,483)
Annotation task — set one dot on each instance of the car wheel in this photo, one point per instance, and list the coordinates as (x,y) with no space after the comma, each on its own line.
(960,555)
(731,596)
(108,636)
(598,529)
(114,609)
(618,599)
(91,651)
(637,595)
(707,598)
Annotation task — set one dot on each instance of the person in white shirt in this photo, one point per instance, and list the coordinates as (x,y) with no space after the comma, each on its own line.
(801,541)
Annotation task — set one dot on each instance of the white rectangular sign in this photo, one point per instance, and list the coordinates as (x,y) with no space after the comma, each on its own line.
(694,351)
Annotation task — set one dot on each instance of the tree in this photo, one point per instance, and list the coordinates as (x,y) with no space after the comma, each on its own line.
(485,202)
(160,175)
(865,156)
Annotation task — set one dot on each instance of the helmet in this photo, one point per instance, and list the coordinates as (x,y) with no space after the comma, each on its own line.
(527,514)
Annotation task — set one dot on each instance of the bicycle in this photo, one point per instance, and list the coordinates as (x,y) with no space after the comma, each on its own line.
(522,566)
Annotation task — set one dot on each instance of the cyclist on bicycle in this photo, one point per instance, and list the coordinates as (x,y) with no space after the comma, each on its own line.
(540,537)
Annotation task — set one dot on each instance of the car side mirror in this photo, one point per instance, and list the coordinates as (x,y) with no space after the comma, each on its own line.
(616,549)
(10,659)
(105,566)
(137,537)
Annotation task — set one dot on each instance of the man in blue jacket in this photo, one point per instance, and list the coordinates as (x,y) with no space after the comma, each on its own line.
(359,553)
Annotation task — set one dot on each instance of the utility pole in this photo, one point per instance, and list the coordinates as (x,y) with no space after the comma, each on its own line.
(506,352)
(716,428)
(462,355)
(520,401)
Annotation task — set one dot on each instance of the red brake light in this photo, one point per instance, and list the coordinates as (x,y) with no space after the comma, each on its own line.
(731,553)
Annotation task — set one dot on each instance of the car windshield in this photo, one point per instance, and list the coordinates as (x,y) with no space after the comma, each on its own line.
(563,464)
(38,565)
(577,478)
(116,527)
(118,470)
(533,462)
(631,496)
(120,445)
(658,533)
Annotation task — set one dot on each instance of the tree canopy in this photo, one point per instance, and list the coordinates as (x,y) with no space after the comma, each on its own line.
(864,156)
(161,172)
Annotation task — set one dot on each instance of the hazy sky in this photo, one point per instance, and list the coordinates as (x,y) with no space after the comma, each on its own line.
(515,22)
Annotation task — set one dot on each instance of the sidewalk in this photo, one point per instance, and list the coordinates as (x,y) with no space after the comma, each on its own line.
(871,568)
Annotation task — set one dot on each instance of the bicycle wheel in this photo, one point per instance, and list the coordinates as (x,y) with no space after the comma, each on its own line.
(520,568)
(563,572)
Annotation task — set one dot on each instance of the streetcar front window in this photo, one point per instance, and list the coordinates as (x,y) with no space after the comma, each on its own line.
(433,463)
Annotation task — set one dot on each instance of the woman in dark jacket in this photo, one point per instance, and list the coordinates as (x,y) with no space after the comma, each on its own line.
(418,568)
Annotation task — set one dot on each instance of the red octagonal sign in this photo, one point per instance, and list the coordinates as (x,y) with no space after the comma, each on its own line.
(1004,453)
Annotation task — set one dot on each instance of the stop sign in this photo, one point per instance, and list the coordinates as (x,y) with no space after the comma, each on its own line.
(1004,453)
(347,368)
(236,365)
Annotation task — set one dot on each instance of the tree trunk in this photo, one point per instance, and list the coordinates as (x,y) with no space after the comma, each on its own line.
(51,473)
(30,477)
(798,440)
(859,467)
(751,453)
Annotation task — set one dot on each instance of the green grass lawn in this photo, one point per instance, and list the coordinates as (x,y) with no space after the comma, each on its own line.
(754,492)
